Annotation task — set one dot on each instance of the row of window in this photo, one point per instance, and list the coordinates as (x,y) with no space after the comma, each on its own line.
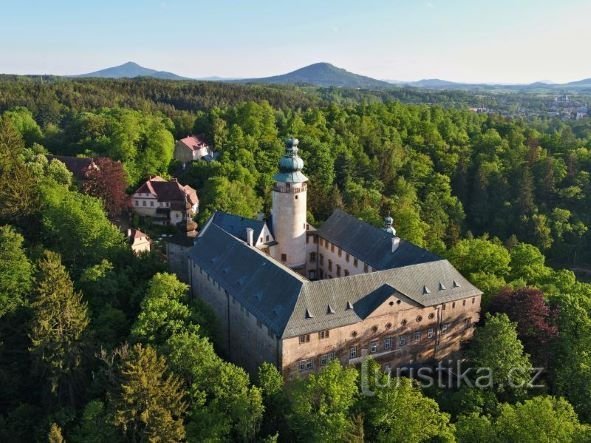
(137,203)
(388,341)
(308,364)
(305,338)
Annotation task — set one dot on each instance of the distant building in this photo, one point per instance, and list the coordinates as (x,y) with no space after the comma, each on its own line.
(166,202)
(193,148)
(78,166)
(138,241)
(298,297)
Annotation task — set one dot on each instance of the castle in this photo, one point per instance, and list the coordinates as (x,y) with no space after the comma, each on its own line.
(287,293)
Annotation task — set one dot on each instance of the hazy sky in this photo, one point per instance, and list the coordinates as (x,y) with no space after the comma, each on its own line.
(461,40)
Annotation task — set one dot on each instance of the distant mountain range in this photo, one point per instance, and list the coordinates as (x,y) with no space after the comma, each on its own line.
(132,70)
(328,75)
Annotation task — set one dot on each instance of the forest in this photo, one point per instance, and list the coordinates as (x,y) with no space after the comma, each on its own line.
(98,345)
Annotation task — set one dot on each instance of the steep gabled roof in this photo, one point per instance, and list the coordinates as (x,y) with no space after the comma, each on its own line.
(369,244)
(236,225)
(266,288)
(169,191)
(194,142)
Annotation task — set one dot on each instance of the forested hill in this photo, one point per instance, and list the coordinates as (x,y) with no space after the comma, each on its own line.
(324,75)
(507,201)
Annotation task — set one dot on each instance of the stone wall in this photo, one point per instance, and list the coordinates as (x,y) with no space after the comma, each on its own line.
(442,329)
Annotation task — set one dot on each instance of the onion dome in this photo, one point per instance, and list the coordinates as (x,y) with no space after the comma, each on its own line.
(291,164)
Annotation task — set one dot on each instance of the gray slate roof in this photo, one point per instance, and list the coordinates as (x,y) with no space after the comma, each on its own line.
(290,305)
(369,244)
(236,225)
(417,284)
(266,288)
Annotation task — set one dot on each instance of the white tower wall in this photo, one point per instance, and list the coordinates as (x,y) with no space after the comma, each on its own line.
(289,223)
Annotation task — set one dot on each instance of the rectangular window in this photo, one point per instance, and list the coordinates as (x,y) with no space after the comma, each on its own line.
(143,202)
(315,239)
(444,328)
(402,340)
(453,305)
(323,334)
(443,307)
(304,338)
(151,203)
(347,257)
(365,268)
(306,365)
(137,203)
(338,270)
(326,358)
(312,257)
(387,343)
(355,262)
(283,257)
(321,259)
(473,300)
(373,347)
(329,264)
(430,333)
(353,352)
(340,252)
(463,302)
(307,239)
(417,336)
(266,238)
(467,323)
(331,248)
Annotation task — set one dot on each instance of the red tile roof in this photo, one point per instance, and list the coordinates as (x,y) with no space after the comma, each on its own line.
(194,142)
(169,191)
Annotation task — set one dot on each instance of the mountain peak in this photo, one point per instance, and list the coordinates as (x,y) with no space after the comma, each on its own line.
(323,74)
(131,69)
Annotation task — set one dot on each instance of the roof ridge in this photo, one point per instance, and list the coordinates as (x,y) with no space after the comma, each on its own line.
(277,263)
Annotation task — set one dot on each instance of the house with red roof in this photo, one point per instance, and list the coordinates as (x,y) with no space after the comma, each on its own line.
(192,148)
(167,202)
(138,241)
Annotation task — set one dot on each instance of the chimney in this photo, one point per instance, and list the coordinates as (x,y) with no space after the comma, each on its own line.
(395,243)
(250,236)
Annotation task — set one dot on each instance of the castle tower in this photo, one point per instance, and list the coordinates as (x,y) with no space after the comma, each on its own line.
(289,209)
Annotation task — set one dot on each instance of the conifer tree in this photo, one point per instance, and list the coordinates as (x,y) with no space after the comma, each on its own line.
(60,318)
(149,404)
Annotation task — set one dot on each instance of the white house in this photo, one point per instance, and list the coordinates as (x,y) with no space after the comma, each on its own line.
(166,202)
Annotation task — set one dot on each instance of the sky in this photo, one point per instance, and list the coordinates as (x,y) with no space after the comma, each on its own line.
(498,41)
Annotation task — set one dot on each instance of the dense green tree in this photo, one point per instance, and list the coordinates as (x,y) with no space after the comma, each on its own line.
(16,271)
(321,404)
(148,404)
(499,356)
(18,193)
(60,319)
(164,311)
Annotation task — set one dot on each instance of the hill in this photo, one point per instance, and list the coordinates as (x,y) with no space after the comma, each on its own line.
(131,70)
(323,75)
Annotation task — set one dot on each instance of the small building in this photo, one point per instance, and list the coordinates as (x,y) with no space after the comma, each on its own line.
(138,241)
(167,202)
(78,166)
(193,148)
